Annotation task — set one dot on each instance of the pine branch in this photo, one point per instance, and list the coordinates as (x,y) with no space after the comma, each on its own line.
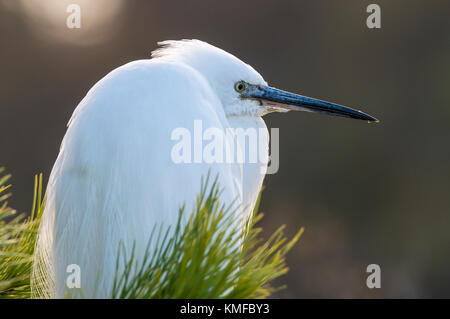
(206,255)
(17,241)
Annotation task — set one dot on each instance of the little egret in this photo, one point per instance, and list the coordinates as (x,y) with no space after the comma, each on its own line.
(115,177)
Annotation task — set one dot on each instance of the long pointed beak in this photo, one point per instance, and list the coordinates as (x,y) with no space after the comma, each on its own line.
(278,100)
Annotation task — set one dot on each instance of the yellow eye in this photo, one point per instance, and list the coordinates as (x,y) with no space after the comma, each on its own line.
(240,86)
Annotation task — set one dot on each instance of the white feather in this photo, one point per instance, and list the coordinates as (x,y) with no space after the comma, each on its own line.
(114,177)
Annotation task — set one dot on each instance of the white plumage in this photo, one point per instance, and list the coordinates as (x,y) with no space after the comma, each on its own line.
(114,177)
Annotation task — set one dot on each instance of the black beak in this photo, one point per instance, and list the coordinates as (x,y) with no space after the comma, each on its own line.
(279,100)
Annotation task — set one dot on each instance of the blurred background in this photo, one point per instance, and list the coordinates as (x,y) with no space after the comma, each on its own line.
(365,194)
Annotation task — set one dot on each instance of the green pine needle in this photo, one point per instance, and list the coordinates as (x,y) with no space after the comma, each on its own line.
(17,241)
(204,256)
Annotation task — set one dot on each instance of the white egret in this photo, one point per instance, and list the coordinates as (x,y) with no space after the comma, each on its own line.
(114,177)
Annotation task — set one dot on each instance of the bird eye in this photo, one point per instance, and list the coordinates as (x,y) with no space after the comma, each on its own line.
(240,87)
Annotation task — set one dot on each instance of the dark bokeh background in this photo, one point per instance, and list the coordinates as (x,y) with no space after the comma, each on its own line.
(365,193)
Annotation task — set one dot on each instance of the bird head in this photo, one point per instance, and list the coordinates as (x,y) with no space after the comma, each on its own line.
(240,88)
